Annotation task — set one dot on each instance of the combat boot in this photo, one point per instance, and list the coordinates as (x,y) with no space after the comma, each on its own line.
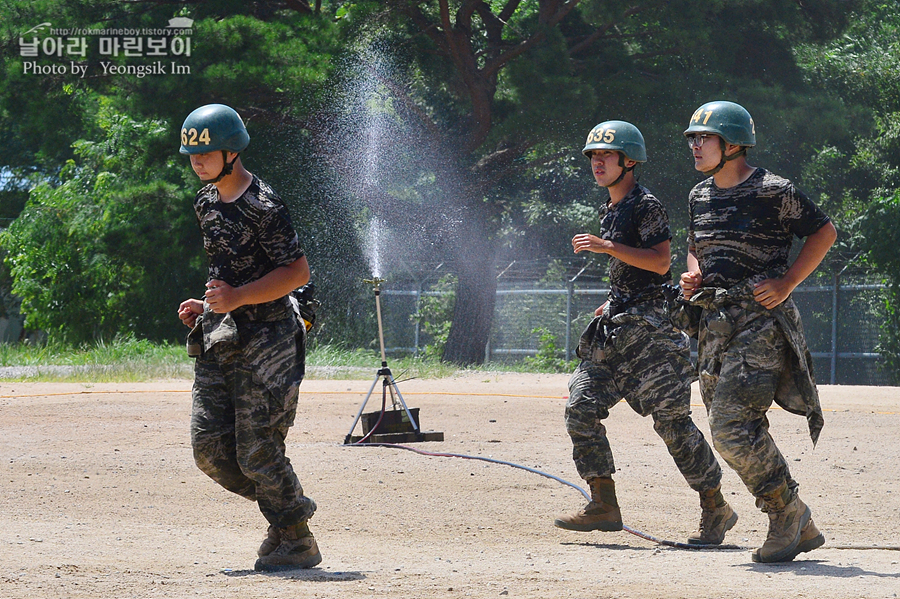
(788,517)
(810,538)
(272,540)
(602,513)
(716,518)
(297,549)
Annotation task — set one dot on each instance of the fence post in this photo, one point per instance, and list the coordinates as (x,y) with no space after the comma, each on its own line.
(416,331)
(834,308)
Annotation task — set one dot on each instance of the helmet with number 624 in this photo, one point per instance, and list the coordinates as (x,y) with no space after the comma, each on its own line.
(619,136)
(728,120)
(211,128)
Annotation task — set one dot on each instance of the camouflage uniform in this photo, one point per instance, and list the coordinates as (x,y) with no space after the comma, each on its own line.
(750,356)
(247,378)
(632,351)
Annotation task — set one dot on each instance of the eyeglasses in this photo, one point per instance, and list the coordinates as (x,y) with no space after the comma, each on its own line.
(697,141)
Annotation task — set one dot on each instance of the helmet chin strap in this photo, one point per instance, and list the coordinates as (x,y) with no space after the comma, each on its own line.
(742,152)
(226,169)
(625,170)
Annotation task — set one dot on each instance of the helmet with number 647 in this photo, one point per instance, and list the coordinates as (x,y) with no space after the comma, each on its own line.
(728,120)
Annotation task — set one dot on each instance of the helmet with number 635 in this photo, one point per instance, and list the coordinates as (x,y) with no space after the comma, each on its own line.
(211,128)
(619,136)
(728,120)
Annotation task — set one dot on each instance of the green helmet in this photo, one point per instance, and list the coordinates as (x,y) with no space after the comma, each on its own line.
(213,127)
(728,120)
(619,136)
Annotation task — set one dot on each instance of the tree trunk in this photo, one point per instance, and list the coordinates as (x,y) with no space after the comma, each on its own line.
(476,293)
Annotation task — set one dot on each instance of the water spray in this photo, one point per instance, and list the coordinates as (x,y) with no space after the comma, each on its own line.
(388,426)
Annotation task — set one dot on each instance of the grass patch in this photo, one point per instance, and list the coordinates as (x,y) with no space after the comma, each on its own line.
(126,359)
(121,360)
(332,362)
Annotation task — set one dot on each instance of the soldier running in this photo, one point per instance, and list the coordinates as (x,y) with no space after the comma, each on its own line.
(738,286)
(249,346)
(631,350)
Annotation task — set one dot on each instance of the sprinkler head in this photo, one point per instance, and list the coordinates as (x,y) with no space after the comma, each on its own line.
(375,282)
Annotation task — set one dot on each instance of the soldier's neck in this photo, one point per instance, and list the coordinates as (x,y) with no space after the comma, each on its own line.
(234,185)
(733,173)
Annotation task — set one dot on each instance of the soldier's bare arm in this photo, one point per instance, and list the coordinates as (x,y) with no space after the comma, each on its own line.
(223,298)
(655,259)
(772,292)
(693,278)
(189,310)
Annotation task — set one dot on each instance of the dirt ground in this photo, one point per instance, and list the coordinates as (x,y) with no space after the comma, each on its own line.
(101,499)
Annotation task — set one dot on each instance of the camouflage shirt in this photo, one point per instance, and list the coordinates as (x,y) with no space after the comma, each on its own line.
(747,229)
(248,238)
(639,220)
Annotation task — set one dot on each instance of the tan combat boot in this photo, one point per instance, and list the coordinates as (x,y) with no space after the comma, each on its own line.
(297,549)
(716,518)
(602,513)
(810,538)
(788,517)
(272,540)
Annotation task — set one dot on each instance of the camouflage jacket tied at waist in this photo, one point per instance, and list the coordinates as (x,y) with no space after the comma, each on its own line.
(796,391)
(225,327)
(211,328)
(596,341)
(637,343)
(273,345)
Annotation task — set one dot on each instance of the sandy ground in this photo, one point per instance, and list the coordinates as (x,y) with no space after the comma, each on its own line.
(101,499)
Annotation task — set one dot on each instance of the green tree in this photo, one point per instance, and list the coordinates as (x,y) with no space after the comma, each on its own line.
(265,58)
(504,89)
(858,179)
(879,227)
(860,68)
(104,251)
(489,99)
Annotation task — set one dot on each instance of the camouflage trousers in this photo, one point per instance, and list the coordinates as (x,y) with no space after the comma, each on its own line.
(647,362)
(742,357)
(244,401)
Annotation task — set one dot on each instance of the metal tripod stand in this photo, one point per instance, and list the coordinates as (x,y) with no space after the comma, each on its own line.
(388,384)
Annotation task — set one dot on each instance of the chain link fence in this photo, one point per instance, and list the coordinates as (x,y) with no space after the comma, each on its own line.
(842,316)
